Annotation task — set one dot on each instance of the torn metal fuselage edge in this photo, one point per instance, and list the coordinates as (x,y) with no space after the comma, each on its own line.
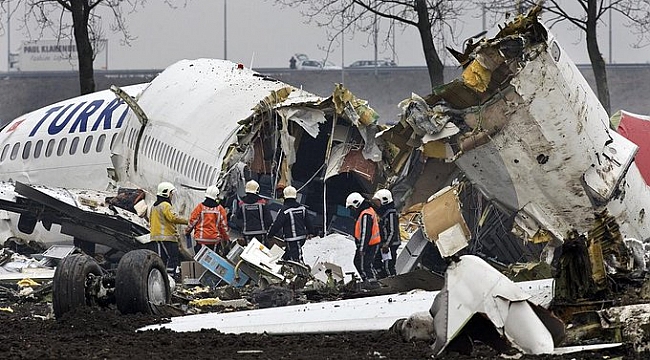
(228,126)
(533,137)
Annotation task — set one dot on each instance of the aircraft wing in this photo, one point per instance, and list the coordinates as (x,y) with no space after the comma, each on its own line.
(84,214)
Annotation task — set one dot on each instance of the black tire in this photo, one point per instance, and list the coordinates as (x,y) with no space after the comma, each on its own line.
(69,285)
(141,283)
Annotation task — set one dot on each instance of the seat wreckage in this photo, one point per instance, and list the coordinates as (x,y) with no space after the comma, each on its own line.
(512,169)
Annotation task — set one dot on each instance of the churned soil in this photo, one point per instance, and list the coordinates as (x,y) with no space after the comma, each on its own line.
(31,332)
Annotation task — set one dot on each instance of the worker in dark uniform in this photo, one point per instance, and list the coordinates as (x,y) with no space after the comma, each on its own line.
(253,214)
(390,234)
(366,235)
(295,224)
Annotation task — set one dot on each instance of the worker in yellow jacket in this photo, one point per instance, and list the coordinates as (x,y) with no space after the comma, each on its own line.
(163,221)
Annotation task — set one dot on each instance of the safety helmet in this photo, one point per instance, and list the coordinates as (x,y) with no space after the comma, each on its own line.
(290,192)
(252,187)
(212,192)
(355,199)
(165,189)
(384,196)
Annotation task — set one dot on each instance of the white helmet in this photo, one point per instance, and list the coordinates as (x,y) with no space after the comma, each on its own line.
(165,189)
(290,192)
(355,199)
(252,187)
(212,192)
(384,196)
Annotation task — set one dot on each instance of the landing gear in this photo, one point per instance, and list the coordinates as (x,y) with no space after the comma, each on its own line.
(72,283)
(141,283)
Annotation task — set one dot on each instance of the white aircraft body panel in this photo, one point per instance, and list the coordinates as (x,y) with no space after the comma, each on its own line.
(65,144)
(556,153)
(335,249)
(364,314)
(193,108)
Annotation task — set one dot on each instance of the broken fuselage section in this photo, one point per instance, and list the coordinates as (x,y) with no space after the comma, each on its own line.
(205,122)
(524,128)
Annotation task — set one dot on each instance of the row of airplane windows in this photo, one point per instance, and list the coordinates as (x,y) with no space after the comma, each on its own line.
(51,146)
(175,159)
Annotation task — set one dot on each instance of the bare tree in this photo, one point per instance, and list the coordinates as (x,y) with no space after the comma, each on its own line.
(586,15)
(432,18)
(83,24)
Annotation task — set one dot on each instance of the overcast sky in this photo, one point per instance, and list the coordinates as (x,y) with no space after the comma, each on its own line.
(266,35)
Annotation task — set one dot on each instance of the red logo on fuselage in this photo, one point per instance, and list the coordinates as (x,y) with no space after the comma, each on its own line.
(14,126)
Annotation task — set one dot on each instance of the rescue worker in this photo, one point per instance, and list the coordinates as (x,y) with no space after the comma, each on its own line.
(163,220)
(295,224)
(254,215)
(366,234)
(389,230)
(209,222)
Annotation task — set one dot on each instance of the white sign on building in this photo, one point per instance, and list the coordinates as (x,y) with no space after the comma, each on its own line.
(56,55)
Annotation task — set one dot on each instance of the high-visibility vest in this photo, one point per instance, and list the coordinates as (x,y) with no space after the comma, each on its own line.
(374,236)
(209,224)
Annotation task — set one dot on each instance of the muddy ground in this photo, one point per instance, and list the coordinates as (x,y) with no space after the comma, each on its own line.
(30,332)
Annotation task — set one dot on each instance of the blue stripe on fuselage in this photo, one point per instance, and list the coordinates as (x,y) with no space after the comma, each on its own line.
(61,116)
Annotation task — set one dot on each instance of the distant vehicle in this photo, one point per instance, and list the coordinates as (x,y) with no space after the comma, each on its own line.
(309,65)
(316,65)
(373,63)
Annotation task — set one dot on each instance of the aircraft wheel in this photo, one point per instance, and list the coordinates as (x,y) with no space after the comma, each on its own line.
(70,283)
(141,283)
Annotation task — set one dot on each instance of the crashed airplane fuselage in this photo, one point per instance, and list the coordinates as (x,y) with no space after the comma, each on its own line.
(204,122)
(524,126)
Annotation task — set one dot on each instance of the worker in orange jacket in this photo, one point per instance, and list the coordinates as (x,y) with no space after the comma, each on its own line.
(366,234)
(209,223)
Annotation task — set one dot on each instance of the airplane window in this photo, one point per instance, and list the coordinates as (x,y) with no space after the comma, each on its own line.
(61,149)
(132,139)
(37,148)
(14,151)
(202,177)
(213,177)
(112,141)
(195,169)
(130,143)
(50,148)
(206,174)
(145,145)
(196,173)
(26,150)
(182,164)
(165,152)
(152,149)
(5,151)
(177,160)
(88,144)
(100,143)
(190,166)
(73,145)
(159,147)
